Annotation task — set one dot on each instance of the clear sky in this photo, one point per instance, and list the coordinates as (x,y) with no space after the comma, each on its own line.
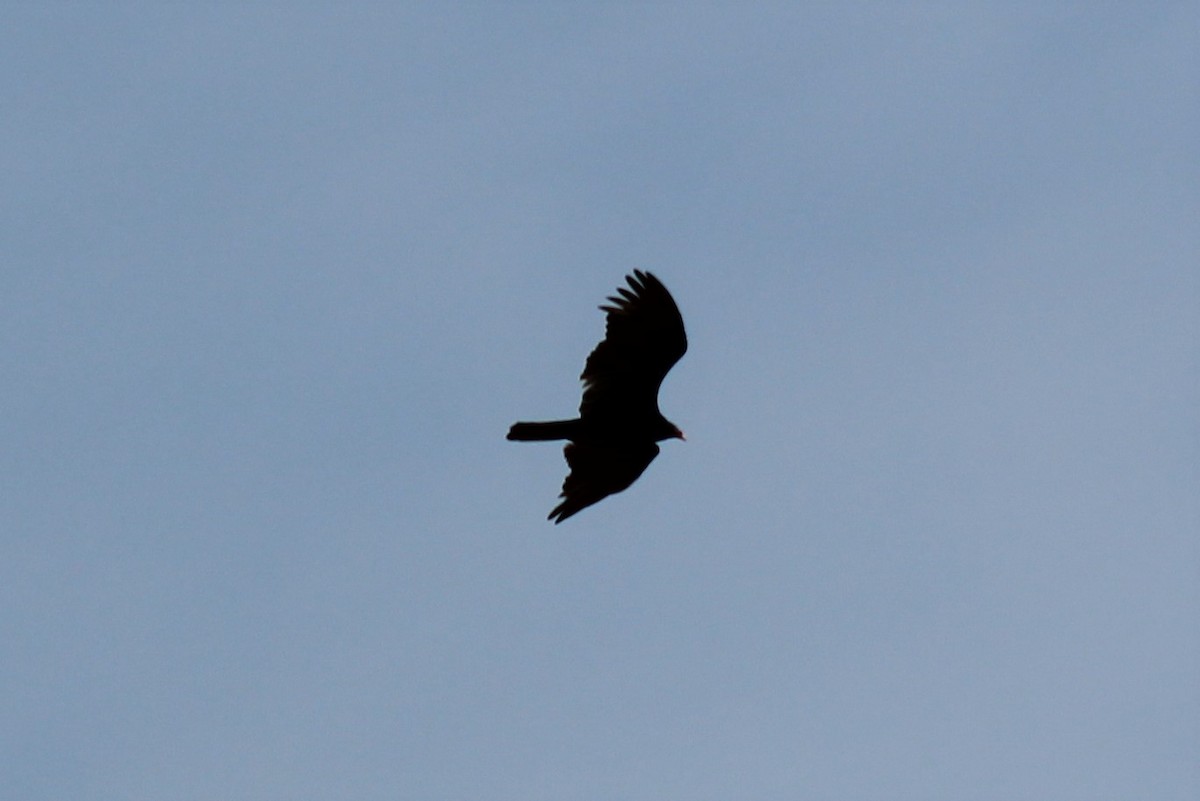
(275,279)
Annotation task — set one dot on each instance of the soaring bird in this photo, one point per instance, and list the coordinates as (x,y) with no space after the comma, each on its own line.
(613,439)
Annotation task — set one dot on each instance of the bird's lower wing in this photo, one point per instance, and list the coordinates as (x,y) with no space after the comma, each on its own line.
(599,470)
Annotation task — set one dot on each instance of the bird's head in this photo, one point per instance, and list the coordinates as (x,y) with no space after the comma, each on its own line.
(665,429)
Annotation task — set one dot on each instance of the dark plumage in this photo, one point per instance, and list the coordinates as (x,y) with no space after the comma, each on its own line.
(613,439)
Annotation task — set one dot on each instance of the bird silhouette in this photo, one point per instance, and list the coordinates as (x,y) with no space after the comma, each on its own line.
(615,437)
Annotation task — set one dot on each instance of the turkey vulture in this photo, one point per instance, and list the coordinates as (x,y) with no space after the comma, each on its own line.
(613,439)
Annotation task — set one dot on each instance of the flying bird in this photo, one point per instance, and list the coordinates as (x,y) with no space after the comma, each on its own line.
(613,440)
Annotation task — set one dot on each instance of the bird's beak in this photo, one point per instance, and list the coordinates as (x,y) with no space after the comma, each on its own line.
(679,434)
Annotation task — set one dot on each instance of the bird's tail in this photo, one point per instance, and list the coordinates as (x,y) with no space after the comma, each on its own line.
(537,432)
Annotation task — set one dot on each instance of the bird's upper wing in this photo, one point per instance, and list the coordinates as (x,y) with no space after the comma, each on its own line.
(643,339)
(597,471)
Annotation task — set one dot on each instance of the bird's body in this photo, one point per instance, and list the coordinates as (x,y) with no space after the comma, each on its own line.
(614,438)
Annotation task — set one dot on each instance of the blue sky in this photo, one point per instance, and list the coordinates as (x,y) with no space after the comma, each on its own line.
(276,279)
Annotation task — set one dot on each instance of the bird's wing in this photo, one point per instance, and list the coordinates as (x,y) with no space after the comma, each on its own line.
(643,339)
(597,471)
